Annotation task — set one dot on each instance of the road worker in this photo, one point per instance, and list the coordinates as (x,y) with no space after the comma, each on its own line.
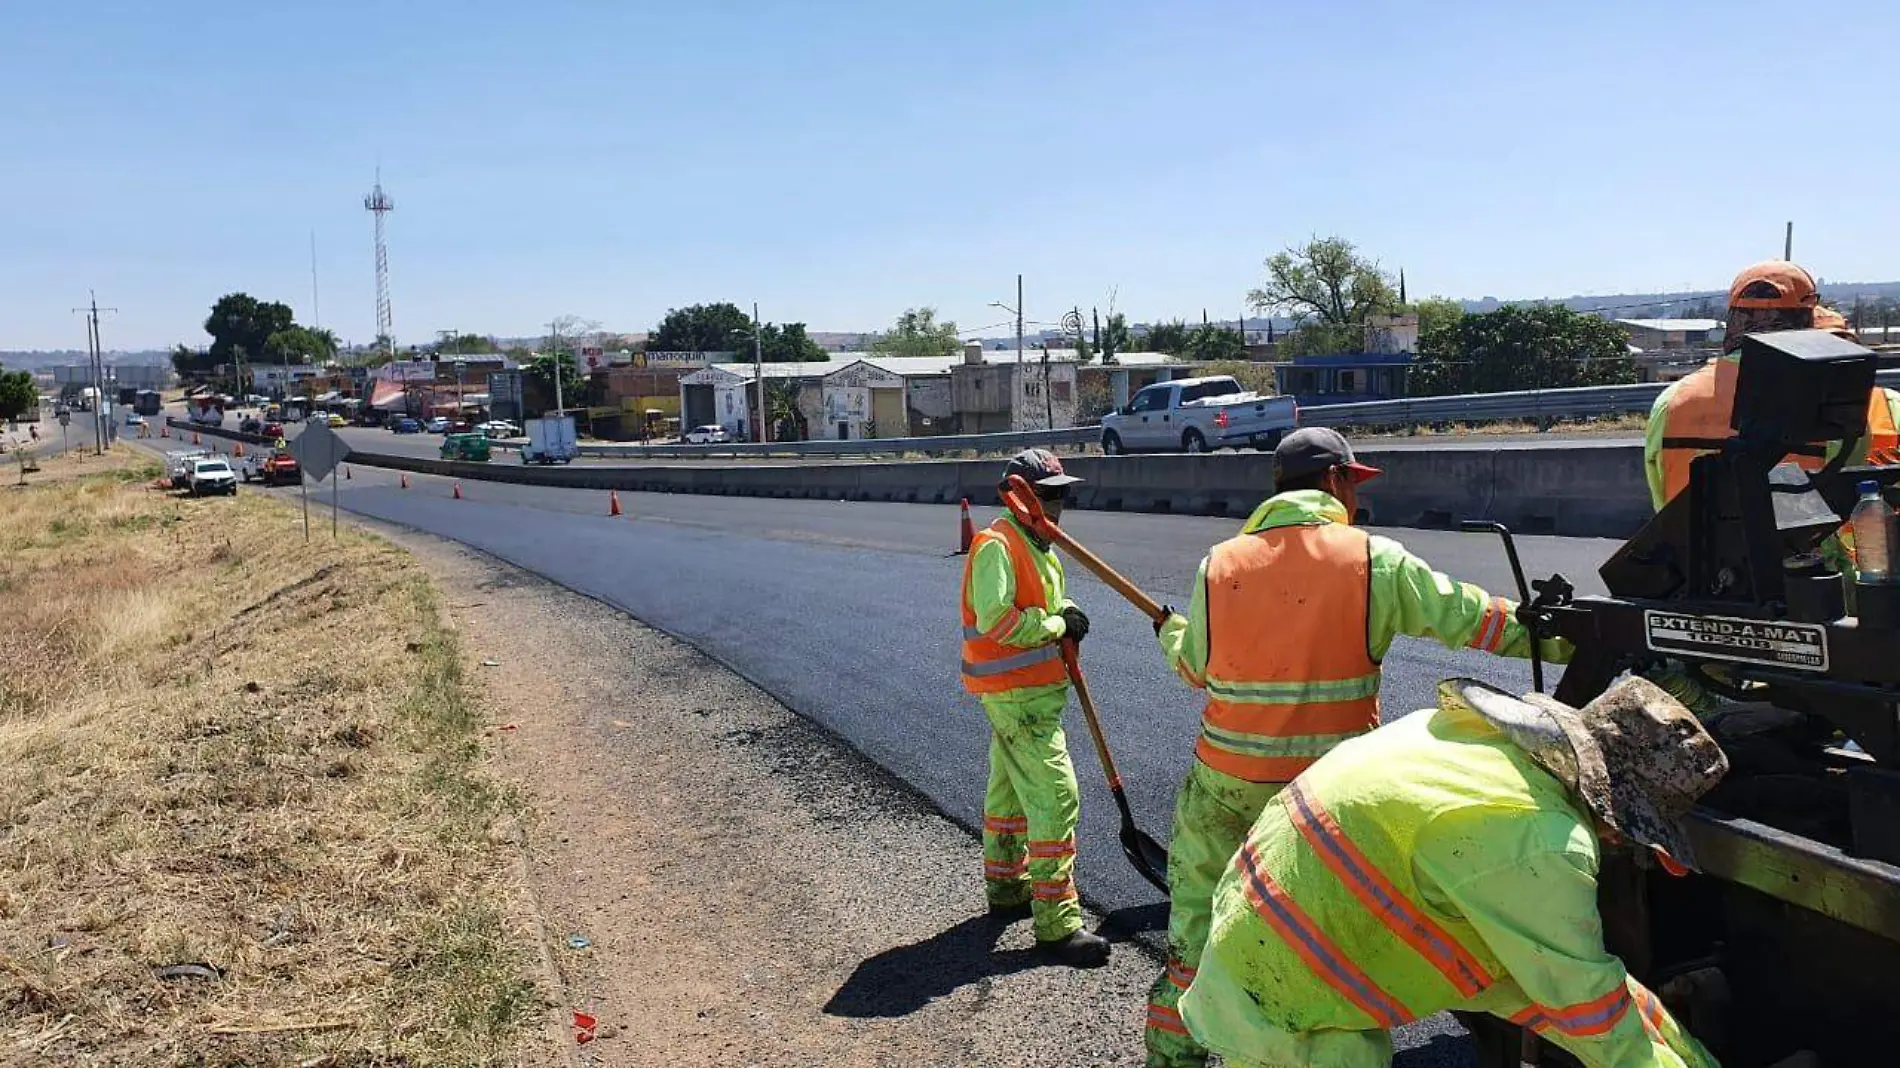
(1448,861)
(1016,614)
(1286,629)
(1766,297)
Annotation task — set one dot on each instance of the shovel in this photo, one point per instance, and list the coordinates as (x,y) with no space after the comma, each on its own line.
(1022,502)
(1149,857)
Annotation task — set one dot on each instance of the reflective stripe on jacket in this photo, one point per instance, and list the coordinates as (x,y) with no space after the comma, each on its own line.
(1699,407)
(1430,865)
(1288,673)
(992,665)
(1341,613)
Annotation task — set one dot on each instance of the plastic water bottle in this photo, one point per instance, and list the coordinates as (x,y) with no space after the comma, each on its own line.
(1873,524)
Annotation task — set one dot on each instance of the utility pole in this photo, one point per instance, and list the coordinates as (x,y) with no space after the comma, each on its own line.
(1787,243)
(95,363)
(758,374)
(1019,321)
(560,364)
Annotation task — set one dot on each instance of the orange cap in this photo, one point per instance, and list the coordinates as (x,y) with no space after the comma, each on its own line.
(1773,284)
(1828,319)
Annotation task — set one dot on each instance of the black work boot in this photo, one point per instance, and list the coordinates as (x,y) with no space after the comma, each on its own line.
(1079,949)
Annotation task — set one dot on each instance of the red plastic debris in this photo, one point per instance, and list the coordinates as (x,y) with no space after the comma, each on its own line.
(584,1028)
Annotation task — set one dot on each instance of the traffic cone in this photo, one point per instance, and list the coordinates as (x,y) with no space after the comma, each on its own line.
(458,491)
(238,450)
(968,531)
(194,438)
(164,431)
(613,502)
(405,481)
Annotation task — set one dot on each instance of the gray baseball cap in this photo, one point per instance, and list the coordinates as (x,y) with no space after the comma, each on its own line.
(1040,468)
(1312,450)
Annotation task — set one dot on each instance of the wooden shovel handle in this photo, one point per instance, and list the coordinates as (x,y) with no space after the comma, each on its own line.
(1022,502)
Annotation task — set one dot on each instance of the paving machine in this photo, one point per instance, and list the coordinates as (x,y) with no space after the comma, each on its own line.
(1787,944)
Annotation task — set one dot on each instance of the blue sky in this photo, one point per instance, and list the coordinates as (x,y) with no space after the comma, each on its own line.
(840,161)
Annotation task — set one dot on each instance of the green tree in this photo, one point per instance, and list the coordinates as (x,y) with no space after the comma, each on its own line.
(18,394)
(1437,312)
(918,333)
(781,405)
(1515,347)
(1210,342)
(1113,336)
(241,321)
(300,344)
(700,328)
(783,344)
(541,368)
(464,345)
(1325,280)
(1258,377)
(190,363)
(1315,338)
(1169,337)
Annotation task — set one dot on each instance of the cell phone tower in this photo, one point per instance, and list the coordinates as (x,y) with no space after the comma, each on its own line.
(379,205)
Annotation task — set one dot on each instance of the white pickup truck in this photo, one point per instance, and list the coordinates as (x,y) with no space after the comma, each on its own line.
(1198,414)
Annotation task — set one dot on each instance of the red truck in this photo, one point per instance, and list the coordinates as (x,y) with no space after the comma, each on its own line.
(275,468)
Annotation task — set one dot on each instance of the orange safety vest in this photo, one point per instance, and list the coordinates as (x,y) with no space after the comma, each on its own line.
(1288,672)
(1701,406)
(989,666)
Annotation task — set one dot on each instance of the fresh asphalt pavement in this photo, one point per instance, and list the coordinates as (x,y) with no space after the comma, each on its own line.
(846,612)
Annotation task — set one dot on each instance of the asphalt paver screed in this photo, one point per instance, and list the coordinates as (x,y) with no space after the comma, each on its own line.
(719,882)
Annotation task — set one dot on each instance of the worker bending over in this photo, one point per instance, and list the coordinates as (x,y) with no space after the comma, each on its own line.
(1287,627)
(1448,861)
(1015,617)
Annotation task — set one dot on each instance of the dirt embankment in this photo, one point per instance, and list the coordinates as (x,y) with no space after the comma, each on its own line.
(244,817)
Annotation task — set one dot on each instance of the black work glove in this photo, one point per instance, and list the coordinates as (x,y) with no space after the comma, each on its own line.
(1077,623)
(1167,613)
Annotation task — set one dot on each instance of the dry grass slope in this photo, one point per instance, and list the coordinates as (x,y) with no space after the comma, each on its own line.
(220,746)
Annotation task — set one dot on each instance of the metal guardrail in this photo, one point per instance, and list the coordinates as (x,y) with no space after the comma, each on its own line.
(1575,403)
(945,443)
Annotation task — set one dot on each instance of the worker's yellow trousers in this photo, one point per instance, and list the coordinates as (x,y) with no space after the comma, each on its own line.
(1029,812)
(1212,815)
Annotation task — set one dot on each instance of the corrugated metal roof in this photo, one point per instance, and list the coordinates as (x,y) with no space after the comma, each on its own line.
(1693,326)
(925,366)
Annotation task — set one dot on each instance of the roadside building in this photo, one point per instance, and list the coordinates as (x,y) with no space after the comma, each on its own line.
(1659,335)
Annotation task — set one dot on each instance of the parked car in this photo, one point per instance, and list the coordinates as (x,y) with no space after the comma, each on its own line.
(707,435)
(1198,414)
(499,428)
(212,476)
(438,425)
(272,430)
(465,447)
(404,425)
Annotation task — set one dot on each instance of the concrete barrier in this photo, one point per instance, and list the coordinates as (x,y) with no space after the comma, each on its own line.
(1574,490)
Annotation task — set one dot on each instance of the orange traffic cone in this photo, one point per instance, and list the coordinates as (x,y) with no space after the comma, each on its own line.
(238,450)
(968,533)
(613,502)
(405,481)
(458,491)
(194,438)
(164,431)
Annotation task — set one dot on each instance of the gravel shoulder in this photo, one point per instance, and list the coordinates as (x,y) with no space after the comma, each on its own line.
(720,882)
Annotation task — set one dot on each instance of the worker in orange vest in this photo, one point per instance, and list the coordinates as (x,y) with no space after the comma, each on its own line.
(1287,627)
(1766,297)
(1769,296)
(1016,615)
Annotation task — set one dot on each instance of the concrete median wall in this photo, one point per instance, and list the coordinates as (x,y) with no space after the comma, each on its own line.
(1579,491)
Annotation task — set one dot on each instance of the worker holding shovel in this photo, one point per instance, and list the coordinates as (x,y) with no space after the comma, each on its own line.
(1017,620)
(1286,629)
